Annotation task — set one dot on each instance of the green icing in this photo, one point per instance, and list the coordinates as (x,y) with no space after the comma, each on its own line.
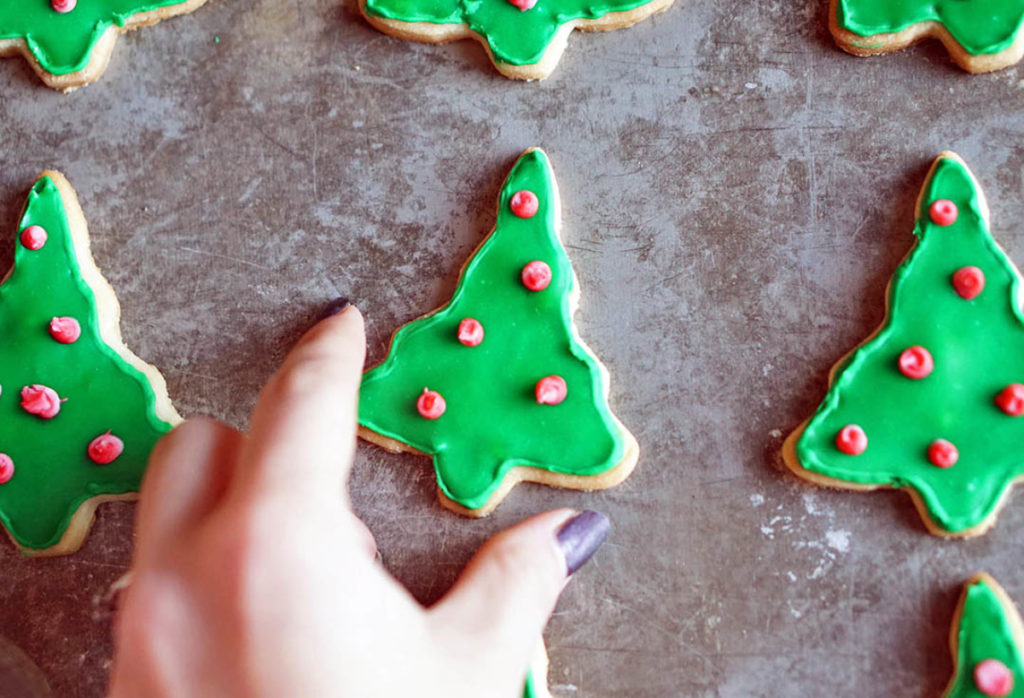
(978,348)
(493,422)
(985,632)
(980,26)
(53,475)
(530,691)
(514,36)
(63,43)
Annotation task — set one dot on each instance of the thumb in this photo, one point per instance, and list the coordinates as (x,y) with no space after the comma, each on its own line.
(503,599)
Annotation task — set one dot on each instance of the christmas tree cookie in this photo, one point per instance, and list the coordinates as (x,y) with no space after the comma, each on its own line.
(69,42)
(79,413)
(986,640)
(933,402)
(980,35)
(524,38)
(496,386)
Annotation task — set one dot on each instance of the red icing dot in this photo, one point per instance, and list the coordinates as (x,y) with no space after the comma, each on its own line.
(471,332)
(943,454)
(1011,400)
(430,404)
(536,276)
(551,390)
(943,212)
(852,440)
(916,363)
(969,282)
(63,6)
(524,203)
(40,401)
(65,330)
(524,5)
(993,678)
(6,468)
(33,237)
(105,449)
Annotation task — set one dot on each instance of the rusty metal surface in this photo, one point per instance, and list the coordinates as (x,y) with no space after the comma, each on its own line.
(737,193)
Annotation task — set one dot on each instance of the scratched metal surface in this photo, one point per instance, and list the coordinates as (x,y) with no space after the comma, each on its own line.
(737,192)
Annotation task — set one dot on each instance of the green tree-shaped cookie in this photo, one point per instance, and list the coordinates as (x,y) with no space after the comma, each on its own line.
(71,395)
(525,38)
(514,393)
(69,41)
(986,643)
(980,26)
(932,402)
(982,35)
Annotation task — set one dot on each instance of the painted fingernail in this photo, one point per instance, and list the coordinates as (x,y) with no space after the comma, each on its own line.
(581,536)
(335,307)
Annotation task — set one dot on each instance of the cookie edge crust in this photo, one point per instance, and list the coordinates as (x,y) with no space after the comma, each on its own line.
(101,51)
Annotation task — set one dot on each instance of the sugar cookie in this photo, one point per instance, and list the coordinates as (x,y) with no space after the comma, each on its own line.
(525,39)
(496,386)
(986,641)
(69,42)
(79,413)
(931,402)
(980,35)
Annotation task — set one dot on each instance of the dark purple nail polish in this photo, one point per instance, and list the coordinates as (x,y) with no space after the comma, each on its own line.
(335,307)
(581,536)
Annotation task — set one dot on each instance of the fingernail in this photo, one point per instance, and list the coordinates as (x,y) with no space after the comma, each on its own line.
(581,536)
(335,307)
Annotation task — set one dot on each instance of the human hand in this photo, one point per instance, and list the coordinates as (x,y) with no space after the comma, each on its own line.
(252,576)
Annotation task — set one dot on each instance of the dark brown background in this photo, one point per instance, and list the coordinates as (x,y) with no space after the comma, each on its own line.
(737,192)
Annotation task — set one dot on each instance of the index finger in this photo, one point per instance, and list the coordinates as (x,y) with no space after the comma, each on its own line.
(303,429)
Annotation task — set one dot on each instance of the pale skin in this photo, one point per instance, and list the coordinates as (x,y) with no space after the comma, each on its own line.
(252,576)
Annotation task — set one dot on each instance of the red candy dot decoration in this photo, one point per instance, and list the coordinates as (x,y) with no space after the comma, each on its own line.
(524,5)
(852,440)
(65,330)
(63,6)
(431,405)
(536,276)
(993,678)
(525,203)
(33,237)
(471,332)
(969,282)
(916,363)
(41,401)
(943,454)
(105,448)
(551,390)
(943,212)
(1011,400)
(6,468)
